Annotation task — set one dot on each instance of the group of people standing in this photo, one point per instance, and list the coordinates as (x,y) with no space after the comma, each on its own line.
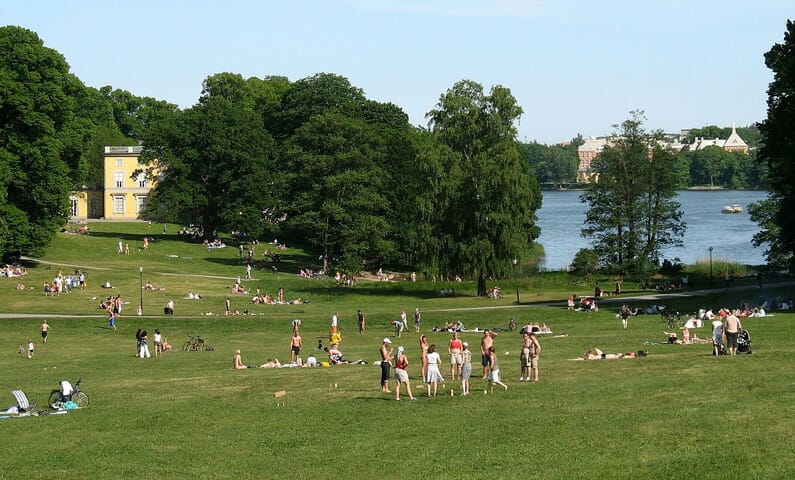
(460,363)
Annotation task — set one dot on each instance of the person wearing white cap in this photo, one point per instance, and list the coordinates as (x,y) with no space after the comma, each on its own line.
(466,368)
(386,363)
(402,374)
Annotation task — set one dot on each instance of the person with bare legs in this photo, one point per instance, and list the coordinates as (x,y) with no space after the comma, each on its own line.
(486,343)
(434,376)
(466,368)
(454,349)
(494,371)
(402,374)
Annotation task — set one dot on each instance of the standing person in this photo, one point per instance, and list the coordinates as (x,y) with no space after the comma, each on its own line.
(334,321)
(158,339)
(146,243)
(248,271)
(45,329)
(535,351)
(424,356)
(524,357)
(121,248)
(228,306)
(111,316)
(296,343)
(466,368)
(116,309)
(625,313)
(434,376)
(143,349)
(494,371)
(454,349)
(417,320)
(296,323)
(360,321)
(402,374)
(386,362)
(732,327)
(717,337)
(31,347)
(485,344)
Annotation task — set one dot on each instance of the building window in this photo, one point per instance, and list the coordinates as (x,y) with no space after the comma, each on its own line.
(142,180)
(74,206)
(118,204)
(93,207)
(140,204)
(118,179)
(119,162)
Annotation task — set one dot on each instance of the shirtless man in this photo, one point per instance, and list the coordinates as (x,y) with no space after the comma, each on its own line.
(45,328)
(296,343)
(485,344)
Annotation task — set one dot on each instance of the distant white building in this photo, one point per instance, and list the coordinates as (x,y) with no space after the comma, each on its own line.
(593,146)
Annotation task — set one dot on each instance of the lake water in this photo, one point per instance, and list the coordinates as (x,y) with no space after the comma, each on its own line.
(562,215)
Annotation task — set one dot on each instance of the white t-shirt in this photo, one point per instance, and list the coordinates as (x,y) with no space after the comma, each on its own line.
(433,358)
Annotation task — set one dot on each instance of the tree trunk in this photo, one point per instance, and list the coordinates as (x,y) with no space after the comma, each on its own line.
(481,285)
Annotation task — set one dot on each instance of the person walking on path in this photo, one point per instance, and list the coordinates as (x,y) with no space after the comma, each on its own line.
(248,271)
(402,374)
(386,363)
(45,329)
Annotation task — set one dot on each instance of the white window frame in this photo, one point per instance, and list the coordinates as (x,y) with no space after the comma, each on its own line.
(118,204)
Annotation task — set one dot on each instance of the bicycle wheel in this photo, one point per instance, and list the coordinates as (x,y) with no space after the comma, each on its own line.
(187,346)
(199,347)
(55,398)
(81,399)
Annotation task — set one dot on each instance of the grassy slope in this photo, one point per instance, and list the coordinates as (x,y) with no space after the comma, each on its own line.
(679,413)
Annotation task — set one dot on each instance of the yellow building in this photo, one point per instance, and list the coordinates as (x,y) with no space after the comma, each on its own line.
(124,193)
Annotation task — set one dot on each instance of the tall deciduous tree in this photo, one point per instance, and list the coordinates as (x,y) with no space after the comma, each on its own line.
(215,160)
(632,213)
(478,201)
(39,141)
(778,151)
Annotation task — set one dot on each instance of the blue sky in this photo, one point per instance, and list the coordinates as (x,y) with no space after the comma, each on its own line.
(573,66)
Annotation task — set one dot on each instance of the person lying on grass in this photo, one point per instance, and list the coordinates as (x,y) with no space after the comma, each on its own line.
(596,354)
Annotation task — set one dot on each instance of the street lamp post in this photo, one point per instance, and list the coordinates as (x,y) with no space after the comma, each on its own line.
(141,274)
(710,265)
(516,279)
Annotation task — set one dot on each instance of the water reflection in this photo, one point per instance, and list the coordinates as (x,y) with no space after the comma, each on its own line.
(562,215)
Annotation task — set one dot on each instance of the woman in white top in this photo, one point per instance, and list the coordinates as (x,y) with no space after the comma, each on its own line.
(433,376)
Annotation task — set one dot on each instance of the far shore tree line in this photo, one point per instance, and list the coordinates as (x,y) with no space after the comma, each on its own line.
(556,165)
(317,162)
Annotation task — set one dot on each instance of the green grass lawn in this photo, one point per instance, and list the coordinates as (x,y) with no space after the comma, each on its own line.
(678,413)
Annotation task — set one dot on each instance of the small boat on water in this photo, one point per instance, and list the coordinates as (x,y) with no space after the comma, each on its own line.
(734,208)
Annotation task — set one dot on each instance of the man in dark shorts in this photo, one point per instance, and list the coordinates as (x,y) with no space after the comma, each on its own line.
(296,342)
(45,328)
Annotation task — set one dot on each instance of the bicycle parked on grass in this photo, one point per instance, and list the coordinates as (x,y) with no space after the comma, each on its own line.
(67,393)
(194,344)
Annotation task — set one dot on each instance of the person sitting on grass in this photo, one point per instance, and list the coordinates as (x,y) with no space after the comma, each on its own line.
(237,361)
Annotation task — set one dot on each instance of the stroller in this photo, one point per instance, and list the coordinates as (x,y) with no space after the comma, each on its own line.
(744,342)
